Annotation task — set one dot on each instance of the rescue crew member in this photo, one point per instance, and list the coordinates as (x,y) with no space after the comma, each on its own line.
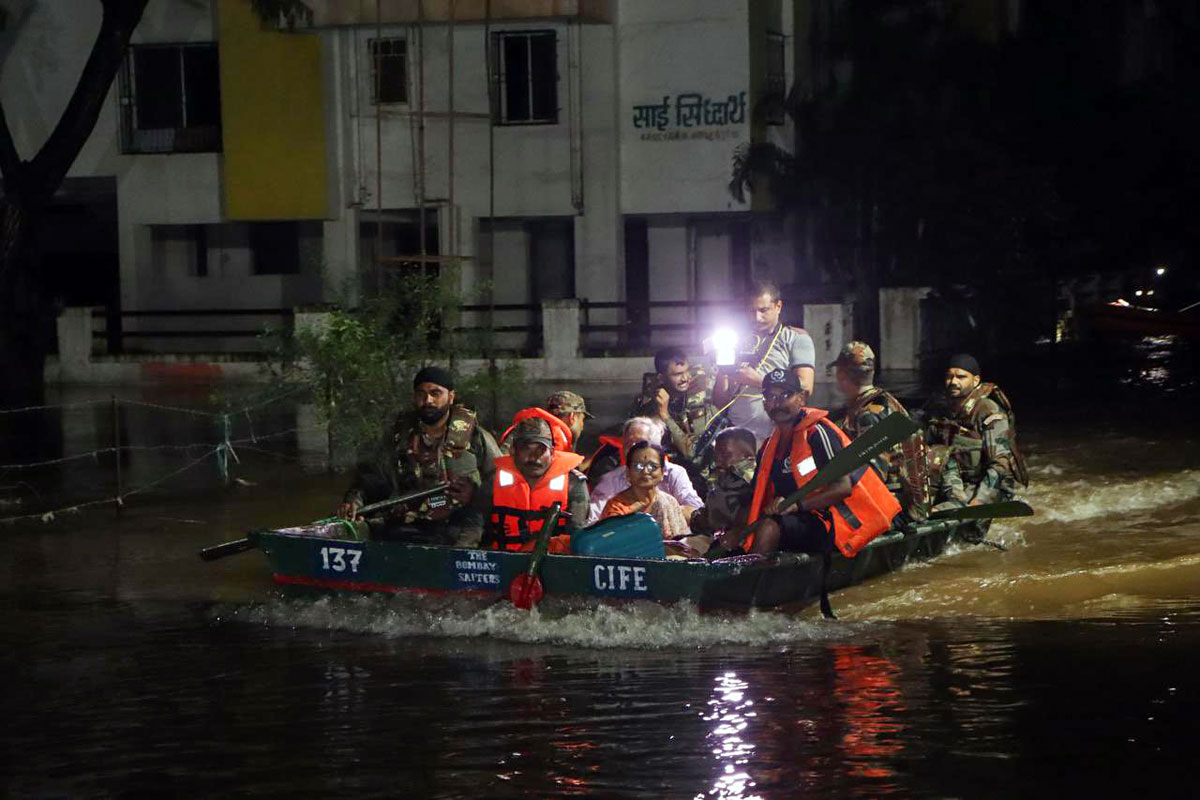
(678,394)
(847,513)
(433,443)
(524,487)
(904,468)
(738,392)
(971,434)
(571,409)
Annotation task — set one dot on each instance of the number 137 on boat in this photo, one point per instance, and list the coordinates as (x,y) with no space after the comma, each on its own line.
(340,559)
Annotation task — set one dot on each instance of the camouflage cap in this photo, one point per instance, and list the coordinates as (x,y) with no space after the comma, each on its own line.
(563,401)
(533,430)
(855,354)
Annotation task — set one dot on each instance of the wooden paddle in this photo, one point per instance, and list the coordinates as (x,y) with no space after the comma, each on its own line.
(248,542)
(1007,508)
(526,591)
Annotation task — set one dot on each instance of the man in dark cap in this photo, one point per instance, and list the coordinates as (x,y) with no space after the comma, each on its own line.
(904,467)
(846,513)
(524,487)
(971,434)
(436,442)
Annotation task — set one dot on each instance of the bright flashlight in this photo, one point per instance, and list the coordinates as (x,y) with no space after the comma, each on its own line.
(724,342)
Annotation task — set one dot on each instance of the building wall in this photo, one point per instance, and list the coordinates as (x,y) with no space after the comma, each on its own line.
(606,159)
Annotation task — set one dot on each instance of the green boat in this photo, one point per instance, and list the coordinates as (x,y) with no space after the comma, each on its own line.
(321,558)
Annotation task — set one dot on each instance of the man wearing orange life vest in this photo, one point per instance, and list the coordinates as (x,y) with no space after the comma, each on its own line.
(526,484)
(846,514)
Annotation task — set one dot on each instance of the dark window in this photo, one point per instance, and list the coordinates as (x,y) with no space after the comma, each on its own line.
(171,99)
(172,244)
(389,71)
(525,70)
(776,78)
(276,248)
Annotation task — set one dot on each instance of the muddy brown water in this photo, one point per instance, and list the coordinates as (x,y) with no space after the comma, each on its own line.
(1062,667)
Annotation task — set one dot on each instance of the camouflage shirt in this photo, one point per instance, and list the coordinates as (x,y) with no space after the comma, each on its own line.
(687,414)
(729,491)
(973,453)
(410,459)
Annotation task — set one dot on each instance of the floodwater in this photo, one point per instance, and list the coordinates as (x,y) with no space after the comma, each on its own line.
(1064,666)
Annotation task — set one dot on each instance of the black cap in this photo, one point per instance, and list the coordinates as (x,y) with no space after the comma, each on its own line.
(964,361)
(435,374)
(782,377)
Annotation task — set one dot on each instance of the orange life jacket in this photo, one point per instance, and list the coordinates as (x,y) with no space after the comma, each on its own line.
(564,437)
(857,519)
(519,510)
(615,442)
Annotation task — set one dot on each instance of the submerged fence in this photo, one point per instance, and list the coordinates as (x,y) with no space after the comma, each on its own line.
(138,447)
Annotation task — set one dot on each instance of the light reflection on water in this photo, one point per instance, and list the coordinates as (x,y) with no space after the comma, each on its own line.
(730,714)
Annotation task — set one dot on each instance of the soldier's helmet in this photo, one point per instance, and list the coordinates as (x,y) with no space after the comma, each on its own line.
(855,354)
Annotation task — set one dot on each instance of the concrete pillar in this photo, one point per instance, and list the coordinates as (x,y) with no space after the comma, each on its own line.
(828,324)
(74,326)
(560,329)
(313,320)
(900,326)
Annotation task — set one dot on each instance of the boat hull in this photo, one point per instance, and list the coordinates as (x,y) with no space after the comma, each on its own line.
(783,581)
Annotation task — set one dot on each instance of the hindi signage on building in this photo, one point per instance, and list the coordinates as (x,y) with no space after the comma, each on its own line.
(691,115)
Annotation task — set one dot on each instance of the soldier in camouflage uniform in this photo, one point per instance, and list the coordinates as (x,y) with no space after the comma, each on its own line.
(437,442)
(678,394)
(972,439)
(904,468)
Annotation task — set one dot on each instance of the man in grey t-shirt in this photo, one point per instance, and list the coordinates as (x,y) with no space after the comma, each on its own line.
(775,346)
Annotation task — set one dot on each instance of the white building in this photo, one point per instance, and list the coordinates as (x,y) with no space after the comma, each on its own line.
(561,148)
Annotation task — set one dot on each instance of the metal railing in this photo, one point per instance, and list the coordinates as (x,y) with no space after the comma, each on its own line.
(191,325)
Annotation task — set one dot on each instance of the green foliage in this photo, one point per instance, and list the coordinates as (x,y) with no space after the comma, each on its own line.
(359,363)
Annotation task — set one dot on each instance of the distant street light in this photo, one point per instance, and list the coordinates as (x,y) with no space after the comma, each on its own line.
(1160,271)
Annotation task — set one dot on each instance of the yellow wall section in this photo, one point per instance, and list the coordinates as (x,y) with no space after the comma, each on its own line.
(272,119)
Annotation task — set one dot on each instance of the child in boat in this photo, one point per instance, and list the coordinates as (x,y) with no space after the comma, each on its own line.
(644,465)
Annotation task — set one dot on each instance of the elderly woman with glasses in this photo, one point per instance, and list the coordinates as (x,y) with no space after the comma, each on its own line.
(644,468)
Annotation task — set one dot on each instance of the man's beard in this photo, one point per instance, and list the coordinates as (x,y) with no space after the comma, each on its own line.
(432,414)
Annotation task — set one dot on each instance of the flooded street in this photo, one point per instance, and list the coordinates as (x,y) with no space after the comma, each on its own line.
(1062,667)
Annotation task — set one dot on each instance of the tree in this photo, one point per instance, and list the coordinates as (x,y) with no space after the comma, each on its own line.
(903,171)
(29,186)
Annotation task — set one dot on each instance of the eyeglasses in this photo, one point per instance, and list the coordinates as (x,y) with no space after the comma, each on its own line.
(646,466)
(775,397)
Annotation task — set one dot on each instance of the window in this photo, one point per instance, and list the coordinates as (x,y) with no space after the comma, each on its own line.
(775,84)
(389,71)
(525,71)
(175,245)
(275,247)
(171,99)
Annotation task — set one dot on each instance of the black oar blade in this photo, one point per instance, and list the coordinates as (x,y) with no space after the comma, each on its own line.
(226,549)
(892,430)
(1008,508)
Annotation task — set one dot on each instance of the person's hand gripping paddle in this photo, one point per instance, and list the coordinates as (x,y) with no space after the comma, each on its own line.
(526,591)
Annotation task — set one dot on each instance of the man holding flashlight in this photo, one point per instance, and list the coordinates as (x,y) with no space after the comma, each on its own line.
(774,346)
